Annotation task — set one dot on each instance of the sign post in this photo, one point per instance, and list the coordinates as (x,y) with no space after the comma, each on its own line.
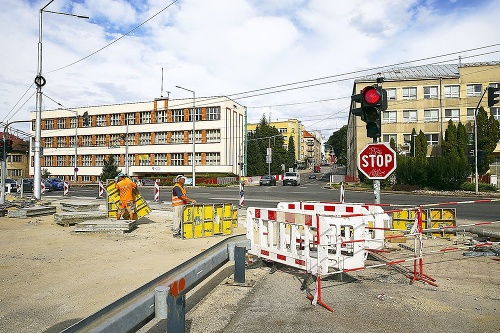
(377,161)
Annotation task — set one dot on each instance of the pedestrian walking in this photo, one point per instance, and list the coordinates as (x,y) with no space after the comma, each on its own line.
(179,199)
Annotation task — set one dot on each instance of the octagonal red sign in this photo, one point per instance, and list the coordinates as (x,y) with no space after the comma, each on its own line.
(377,160)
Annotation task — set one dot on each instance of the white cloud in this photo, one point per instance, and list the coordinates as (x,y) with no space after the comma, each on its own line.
(227,47)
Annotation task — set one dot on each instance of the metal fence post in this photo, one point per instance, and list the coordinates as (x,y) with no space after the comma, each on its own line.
(176,313)
(239,264)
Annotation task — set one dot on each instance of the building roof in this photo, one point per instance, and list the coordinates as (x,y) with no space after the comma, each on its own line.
(424,72)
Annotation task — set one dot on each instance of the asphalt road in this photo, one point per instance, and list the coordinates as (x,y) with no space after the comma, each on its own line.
(316,190)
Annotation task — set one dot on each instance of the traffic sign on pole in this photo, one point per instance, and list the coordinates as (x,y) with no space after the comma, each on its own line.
(377,160)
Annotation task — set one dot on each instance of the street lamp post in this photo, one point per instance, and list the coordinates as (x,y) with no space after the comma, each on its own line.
(193,114)
(40,82)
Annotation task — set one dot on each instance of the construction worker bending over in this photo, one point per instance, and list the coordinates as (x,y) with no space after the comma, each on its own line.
(125,186)
(179,199)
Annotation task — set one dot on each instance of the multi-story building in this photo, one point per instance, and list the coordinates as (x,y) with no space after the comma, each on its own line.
(146,139)
(312,148)
(16,164)
(425,98)
(289,128)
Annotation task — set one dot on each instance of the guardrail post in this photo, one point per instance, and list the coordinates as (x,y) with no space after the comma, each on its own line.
(239,264)
(176,313)
(161,308)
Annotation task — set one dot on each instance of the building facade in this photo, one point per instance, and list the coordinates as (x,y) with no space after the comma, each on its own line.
(425,98)
(16,163)
(312,149)
(146,139)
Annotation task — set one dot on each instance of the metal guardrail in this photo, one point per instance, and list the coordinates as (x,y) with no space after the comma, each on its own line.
(135,309)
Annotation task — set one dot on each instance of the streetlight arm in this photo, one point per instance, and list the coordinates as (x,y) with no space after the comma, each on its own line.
(67,14)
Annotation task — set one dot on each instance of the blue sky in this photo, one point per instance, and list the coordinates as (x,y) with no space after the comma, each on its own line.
(230,47)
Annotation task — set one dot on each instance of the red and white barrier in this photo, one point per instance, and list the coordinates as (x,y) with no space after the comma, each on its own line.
(242,194)
(42,187)
(66,188)
(101,189)
(342,193)
(157,190)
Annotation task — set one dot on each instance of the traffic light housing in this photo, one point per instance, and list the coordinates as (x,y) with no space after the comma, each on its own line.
(493,96)
(8,146)
(373,100)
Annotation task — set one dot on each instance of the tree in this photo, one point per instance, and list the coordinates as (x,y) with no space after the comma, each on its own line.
(45,173)
(109,169)
(488,134)
(338,141)
(264,137)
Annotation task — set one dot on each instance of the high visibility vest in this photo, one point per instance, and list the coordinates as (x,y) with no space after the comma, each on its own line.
(176,201)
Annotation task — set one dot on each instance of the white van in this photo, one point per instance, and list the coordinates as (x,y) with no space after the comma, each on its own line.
(291,178)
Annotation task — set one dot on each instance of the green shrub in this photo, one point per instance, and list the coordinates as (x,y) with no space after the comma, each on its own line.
(482,187)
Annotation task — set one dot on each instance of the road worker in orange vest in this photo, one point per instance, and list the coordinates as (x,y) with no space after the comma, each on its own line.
(179,199)
(125,187)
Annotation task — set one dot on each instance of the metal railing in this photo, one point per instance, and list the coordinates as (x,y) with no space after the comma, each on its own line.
(137,308)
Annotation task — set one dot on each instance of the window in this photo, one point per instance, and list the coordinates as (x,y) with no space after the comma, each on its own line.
(99,160)
(130,139)
(177,137)
(213,113)
(197,157)
(48,143)
(100,120)
(61,141)
(282,130)
(474,90)
(61,123)
(16,172)
(452,114)
(470,113)
(114,119)
(49,124)
(72,122)
(430,92)
(432,139)
(391,94)
(131,160)
(60,160)
(144,139)
(15,158)
(86,140)
(177,159)
(431,115)
(71,160)
(177,115)
(495,112)
(452,91)
(388,137)
(145,117)
(47,161)
(87,160)
(407,142)
(198,136)
(409,116)
(196,112)
(161,138)
(144,159)
(130,118)
(100,140)
(389,117)
(161,116)
(410,93)
(161,159)
(114,140)
(213,135)
(212,159)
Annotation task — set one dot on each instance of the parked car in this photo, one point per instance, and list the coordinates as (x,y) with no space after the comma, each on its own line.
(312,176)
(12,184)
(291,178)
(28,185)
(267,180)
(57,184)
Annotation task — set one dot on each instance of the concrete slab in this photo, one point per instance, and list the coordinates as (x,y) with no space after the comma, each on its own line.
(31,211)
(109,226)
(80,206)
(67,218)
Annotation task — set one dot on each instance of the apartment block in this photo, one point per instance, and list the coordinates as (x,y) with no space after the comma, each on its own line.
(425,98)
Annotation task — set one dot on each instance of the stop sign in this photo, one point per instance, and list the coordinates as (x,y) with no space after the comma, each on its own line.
(377,160)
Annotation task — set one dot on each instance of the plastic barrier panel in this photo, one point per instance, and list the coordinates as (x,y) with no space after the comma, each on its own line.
(318,243)
(141,206)
(432,218)
(203,220)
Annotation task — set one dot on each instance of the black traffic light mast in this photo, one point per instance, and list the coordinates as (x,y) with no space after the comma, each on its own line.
(373,100)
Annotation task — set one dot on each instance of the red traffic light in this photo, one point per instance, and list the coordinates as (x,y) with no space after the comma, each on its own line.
(371,96)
